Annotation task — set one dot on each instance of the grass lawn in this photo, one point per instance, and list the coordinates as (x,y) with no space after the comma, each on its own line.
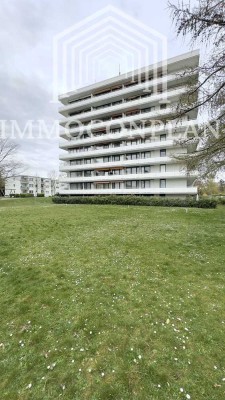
(111,302)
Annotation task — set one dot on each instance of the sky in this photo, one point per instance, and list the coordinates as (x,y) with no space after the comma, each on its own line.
(32,73)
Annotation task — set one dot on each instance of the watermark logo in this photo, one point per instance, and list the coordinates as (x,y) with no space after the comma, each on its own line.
(104,45)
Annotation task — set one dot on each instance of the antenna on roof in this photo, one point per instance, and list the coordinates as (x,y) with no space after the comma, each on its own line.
(119,70)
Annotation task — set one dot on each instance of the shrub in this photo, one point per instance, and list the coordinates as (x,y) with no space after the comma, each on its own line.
(40,195)
(136,201)
(221,200)
(21,195)
(26,195)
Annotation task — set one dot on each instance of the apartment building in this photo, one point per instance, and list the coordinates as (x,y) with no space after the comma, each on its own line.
(117,134)
(24,184)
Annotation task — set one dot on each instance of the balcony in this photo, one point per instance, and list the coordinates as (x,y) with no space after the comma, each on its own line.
(126,133)
(122,163)
(126,106)
(119,122)
(116,150)
(127,177)
(120,92)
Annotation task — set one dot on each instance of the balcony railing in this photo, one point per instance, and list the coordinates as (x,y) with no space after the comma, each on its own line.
(155,97)
(110,93)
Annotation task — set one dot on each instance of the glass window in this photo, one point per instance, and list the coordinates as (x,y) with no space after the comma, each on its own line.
(145,110)
(162,137)
(116,158)
(128,184)
(76,186)
(87,185)
(162,106)
(78,173)
(163,153)
(162,183)
(86,173)
(147,169)
(116,172)
(105,159)
(146,154)
(163,168)
(115,185)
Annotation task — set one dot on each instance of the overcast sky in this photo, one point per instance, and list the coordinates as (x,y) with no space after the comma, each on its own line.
(28,30)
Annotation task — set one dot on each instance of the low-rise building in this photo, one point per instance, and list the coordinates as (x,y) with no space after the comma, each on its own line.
(25,184)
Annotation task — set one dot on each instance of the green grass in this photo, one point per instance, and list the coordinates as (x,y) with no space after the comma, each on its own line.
(111,302)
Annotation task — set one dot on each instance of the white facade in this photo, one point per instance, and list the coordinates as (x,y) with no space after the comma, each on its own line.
(118,137)
(24,184)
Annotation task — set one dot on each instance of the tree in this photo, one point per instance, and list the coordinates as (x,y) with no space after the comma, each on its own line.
(208,186)
(204,24)
(8,164)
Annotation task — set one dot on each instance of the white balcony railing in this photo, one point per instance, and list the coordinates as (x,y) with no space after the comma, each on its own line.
(154,98)
(158,114)
(156,191)
(123,163)
(125,133)
(116,150)
(123,91)
(127,177)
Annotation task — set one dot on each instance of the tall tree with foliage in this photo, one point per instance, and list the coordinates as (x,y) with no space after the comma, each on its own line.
(204,24)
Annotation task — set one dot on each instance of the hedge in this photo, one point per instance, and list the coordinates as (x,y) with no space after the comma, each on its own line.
(221,200)
(22,195)
(136,201)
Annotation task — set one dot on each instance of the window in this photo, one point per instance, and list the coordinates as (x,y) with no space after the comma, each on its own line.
(132,170)
(78,173)
(87,161)
(116,158)
(87,185)
(147,169)
(115,172)
(146,154)
(116,185)
(145,110)
(162,167)
(76,186)
(132,184)
(144,184)
(132,156)
(106,159)
(163,153)
(162,183)
(115,130)
(162,106)
(87,173)
(162,137)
